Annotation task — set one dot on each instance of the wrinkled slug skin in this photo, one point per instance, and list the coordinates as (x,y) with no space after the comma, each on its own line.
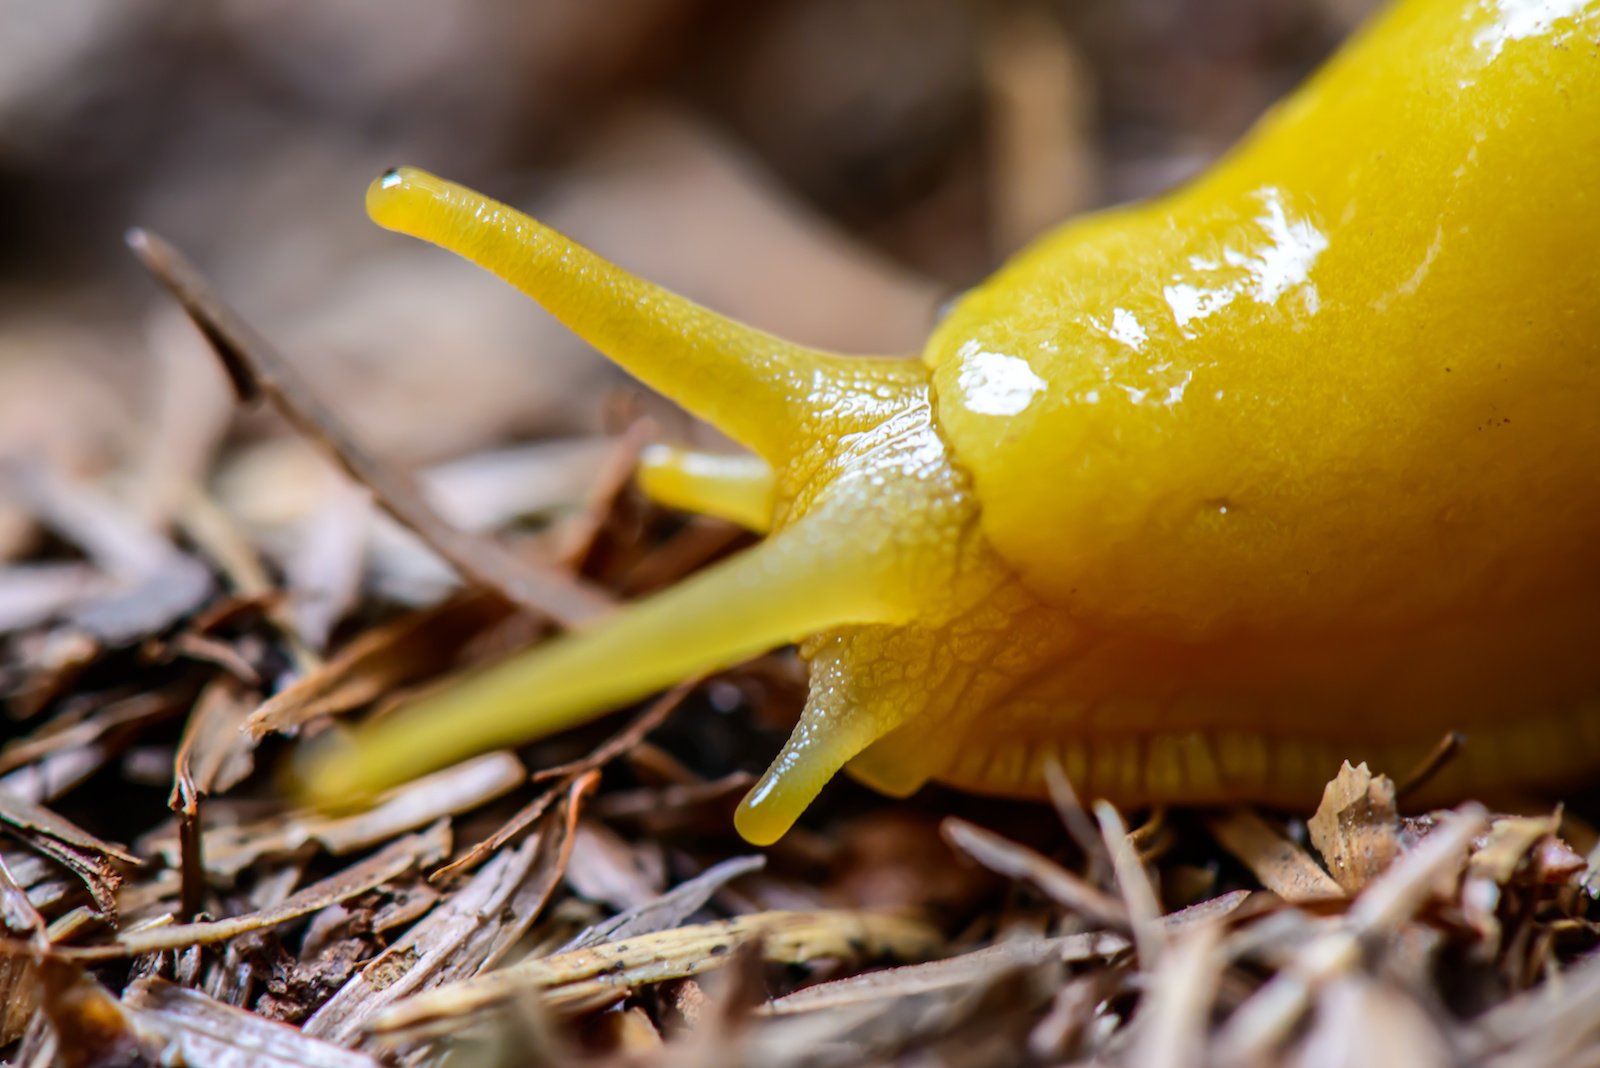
(1197,498)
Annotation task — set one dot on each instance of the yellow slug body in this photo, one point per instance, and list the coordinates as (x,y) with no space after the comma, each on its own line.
(1199,498)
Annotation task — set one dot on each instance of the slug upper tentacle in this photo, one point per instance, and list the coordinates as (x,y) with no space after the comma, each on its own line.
(762,391)
(1198,498)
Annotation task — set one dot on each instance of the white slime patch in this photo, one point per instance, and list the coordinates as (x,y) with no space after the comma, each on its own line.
(1514,20)
(1274,268)
(993,383)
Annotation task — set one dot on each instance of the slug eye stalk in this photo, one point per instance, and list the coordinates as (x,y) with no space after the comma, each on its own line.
(760,390)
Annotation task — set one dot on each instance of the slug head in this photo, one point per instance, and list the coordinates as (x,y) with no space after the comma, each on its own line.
(873,548)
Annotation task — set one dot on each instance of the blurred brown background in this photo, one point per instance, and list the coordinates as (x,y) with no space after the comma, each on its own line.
(831,170)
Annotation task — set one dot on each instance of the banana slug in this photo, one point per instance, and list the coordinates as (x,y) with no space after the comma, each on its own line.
(1198,497)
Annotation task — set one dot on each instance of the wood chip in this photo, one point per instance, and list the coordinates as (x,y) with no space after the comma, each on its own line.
(1510,841)
(1144,910)
(154,584)
(1174,1017)
(669,909)
(1283,867)
(215,754)
(126,715)
(1040,102)
(1356,827)
(1015,861)
(391,862)
(587,977)
(414,646)
(90,859)
(191,1029)
(449,792)
(257,368)
(470,931)
(32,594)
(623,742)
(981,965)
(609,870)
(1365,1024)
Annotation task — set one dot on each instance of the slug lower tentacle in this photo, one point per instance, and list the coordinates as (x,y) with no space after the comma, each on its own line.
(1198,497)
(726,485)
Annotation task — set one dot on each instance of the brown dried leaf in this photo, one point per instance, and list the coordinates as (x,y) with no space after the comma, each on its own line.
(19,975)
(1437,860)
(193,408)
(91,1028)
(486,490)
(1554,862)
(326,566)
(19,996)
(1540,1027)
(630,1032)
(1283,867)
(1356,827)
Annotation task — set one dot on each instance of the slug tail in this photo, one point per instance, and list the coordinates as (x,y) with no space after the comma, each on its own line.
(754,387)
(795,583)
(732,487)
